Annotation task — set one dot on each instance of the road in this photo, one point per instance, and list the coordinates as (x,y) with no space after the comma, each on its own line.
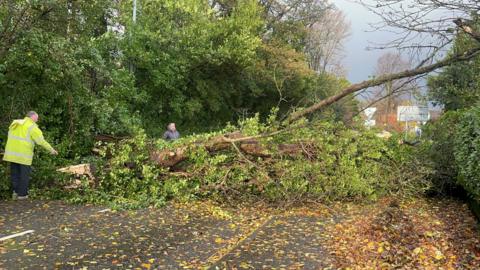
(178,236)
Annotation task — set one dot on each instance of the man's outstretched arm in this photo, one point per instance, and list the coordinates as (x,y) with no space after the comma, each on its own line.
(37,137)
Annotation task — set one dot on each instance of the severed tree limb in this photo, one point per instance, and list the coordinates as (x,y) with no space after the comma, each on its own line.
(248,146)
(396,91)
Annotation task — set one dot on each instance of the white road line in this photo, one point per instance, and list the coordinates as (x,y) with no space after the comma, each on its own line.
(16,235)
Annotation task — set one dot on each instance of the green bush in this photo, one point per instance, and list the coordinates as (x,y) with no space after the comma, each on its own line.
(438,149)
(467,152)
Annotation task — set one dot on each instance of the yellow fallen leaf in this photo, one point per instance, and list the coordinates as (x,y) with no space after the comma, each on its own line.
(218,240)
(244,265)
(371,245)
(429,234)
(439,255)
(380,249)
(417,251)
(146,265)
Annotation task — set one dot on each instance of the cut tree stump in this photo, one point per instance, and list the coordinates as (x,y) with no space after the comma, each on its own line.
(79,170)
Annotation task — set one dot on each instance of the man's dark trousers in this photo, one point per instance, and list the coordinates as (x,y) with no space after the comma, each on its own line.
(20,177)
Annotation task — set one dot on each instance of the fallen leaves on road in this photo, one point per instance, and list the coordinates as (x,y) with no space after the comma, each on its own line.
(416,234)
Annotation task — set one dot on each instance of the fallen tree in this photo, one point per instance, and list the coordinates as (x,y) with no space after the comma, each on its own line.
(318,160)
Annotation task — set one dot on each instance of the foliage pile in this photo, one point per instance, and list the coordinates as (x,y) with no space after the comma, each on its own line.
(334,162)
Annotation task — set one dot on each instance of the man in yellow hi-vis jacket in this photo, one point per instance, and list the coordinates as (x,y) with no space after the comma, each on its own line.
(23,134)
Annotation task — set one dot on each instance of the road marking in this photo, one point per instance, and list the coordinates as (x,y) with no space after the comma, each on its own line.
(16,235)
(223,252)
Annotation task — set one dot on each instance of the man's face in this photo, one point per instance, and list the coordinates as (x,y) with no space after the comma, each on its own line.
(172,127)
(34,118)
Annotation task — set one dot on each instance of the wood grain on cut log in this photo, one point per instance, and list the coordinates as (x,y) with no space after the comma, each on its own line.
(168,158)
(79,171)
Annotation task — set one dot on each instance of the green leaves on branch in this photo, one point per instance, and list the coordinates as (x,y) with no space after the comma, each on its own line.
(331,162)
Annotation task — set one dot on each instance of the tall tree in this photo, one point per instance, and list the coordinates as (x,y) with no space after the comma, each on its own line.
(56,60)
(324,46)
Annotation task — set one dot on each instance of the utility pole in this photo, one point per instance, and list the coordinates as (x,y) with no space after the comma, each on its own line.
(134,19)
(134,11)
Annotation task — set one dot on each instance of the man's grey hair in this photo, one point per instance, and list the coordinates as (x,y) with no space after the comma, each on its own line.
(31,113)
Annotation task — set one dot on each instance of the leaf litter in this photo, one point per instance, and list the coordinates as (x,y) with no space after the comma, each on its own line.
(390,234)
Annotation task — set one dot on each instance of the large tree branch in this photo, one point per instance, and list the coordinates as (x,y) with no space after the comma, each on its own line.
(381,80)
(398,90)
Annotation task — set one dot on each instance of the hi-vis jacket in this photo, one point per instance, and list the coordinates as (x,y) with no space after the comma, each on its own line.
(23,134)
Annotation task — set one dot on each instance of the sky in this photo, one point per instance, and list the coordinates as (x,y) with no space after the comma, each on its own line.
(360,62)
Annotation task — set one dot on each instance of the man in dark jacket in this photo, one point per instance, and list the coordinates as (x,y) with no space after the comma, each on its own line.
(171,134)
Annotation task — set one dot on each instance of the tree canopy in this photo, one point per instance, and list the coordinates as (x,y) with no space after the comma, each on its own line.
(88,69)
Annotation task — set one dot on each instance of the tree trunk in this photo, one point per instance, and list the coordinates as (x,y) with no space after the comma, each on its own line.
(249,147)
